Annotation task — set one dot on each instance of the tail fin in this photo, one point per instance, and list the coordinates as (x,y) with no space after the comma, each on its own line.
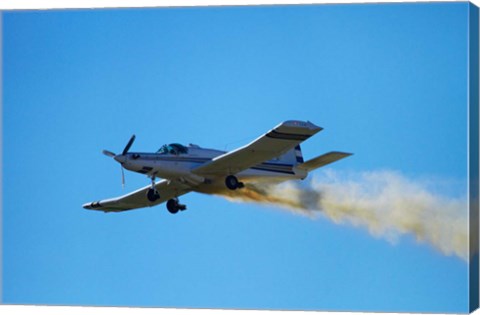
(298,154)
(322,160)
(293,156)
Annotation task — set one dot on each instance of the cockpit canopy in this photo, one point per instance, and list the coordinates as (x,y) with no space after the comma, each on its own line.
(173,148)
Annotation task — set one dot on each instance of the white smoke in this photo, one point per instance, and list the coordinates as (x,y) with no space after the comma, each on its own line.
(385,203)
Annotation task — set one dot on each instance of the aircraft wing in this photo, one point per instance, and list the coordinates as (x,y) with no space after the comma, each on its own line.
(138,198)
(272,144)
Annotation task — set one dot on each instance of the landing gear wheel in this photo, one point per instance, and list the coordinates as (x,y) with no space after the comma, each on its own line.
(231,182)
(153,195)
(173,206)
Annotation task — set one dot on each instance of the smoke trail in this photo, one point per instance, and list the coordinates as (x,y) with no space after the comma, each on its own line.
(386,203)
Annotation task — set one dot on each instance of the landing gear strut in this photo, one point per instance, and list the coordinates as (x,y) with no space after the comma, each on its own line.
(152,193)
(173,206)
(232,182)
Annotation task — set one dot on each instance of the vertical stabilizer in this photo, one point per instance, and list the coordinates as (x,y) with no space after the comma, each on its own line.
(293,156)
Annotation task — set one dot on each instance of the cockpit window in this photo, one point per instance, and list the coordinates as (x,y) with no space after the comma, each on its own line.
(173,148)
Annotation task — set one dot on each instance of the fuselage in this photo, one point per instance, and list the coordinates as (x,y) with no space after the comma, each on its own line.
(174,164)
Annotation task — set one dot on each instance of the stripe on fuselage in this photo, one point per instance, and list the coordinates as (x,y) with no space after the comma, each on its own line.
(283,171)
(266,166)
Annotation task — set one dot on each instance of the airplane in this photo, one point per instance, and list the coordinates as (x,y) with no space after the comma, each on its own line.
(275,156)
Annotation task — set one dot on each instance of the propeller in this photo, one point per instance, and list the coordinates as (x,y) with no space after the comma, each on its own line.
(121,157)
(108,153)
(129,144)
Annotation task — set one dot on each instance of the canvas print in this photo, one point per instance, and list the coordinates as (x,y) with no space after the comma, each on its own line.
(281,157)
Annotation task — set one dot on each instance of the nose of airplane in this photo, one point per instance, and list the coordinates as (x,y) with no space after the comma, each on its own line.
(120,158)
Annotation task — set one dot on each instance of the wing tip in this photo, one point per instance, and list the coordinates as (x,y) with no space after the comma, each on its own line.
(300,124)
(87,206)
(92,205)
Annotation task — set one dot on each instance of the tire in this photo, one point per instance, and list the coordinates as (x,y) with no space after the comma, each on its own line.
(152,195)
(231,182)
(172,206)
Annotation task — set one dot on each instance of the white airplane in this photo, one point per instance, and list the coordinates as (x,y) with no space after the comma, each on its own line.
(275,156)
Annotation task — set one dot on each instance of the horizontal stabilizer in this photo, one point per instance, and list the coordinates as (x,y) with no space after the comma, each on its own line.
(322,160)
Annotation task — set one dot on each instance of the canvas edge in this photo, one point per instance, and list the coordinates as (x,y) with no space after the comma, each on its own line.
(473,103)
(1,157)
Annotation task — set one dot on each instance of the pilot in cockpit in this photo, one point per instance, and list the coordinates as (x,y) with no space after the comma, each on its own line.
(173,148)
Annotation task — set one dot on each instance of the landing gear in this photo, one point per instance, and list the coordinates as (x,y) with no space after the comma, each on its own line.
(152,193)
(173,206)
(232,182)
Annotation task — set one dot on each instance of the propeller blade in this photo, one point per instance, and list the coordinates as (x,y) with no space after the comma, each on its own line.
(108,153)
(123,178)
(129,144)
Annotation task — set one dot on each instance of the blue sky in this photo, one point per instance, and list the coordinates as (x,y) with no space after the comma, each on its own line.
(387,82)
